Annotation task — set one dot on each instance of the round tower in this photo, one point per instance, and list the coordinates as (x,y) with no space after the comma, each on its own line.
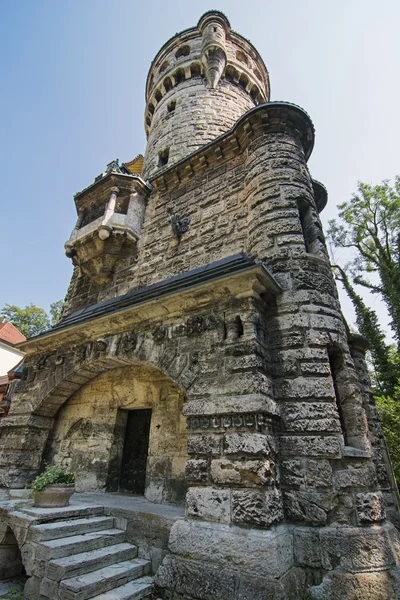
(199,84)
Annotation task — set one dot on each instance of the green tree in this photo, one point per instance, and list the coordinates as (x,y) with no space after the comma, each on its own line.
(369,224)
(32,320)
(56,311)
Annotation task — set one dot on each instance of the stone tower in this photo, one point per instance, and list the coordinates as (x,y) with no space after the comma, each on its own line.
(202,300)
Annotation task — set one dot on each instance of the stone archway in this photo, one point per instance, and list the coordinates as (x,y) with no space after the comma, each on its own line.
(89,429)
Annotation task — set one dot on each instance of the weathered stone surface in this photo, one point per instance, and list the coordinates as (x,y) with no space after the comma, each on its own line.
(308,506)
(311,446)
(307,548)
(246,443)
(197,470)
(257,508)
(210,504)
(249,472)
(252,551)
(365,586)
(353,549)
(204,444)
(319,473)
(370,507)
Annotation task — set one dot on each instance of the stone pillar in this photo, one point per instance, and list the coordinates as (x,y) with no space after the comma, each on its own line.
(105,229)
(136,211)
(22,441)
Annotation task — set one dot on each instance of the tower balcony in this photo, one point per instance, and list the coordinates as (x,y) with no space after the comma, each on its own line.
(110,218)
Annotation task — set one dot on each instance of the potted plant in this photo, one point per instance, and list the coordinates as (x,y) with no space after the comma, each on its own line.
(53,488)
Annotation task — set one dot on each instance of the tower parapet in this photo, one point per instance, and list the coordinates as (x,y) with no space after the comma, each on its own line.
(199,84)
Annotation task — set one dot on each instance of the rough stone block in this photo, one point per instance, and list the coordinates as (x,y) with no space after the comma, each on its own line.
(250,551)
(195,579)
(356,549)
(370,507)
(293,473)
(197,470)
(250,472)
(319,473)
(361,477)
(209,503)
(308,506)
(246,443)
(307,548)
(204,443)
(311,446)
(256,507)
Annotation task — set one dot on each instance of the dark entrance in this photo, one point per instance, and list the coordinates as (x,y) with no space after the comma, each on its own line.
(136,446)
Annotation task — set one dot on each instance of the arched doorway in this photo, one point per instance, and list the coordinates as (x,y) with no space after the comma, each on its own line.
(124,431)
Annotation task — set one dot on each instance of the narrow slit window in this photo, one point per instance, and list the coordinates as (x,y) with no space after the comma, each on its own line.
(306,222)
(163,158)
(335,364)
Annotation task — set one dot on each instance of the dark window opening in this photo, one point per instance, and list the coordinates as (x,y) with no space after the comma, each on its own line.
(243,81)
(93,212)
(182,51)
(167,84)
(121,205)
(158,95)
(254,93)
(336,366)
(195,70)
(171,106)
(163,158)
(238,326)
(179,76)
(242,57)
(151,108)
(163,66)
(306,222)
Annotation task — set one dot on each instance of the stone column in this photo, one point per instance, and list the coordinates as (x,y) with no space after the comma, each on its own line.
(22,441)
(136,210)
(105,229)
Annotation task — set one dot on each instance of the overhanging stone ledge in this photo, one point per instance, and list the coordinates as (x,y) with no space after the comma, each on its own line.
(236,276)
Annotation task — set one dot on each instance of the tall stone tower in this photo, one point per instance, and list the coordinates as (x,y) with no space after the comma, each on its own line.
(203,311)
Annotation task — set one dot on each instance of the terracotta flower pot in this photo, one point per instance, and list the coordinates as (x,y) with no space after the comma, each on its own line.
(54,496)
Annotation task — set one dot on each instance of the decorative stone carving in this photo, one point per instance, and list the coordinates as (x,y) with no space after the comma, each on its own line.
(238,421)
(101,345)
(195,325)
(42,362)
(179,225)
(59,360)
(80,353)
(159,333)
(128,341)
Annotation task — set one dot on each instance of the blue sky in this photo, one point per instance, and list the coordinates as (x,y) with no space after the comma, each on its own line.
(72,99)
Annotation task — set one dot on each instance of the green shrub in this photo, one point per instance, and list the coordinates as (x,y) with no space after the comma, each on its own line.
(51,475)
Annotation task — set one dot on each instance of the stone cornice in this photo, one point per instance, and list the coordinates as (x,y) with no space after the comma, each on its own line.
(122,179)
(320,195)
(235,277)
(271,117)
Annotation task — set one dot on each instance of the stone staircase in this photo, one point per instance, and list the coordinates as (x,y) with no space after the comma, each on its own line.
(81,554)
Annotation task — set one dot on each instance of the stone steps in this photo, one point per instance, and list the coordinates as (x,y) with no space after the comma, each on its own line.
(59,548)
(134,590)
(85,562)
(103,580)
(83,556)
(62,529)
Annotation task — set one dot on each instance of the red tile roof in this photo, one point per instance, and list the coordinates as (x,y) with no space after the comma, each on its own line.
(10,334)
